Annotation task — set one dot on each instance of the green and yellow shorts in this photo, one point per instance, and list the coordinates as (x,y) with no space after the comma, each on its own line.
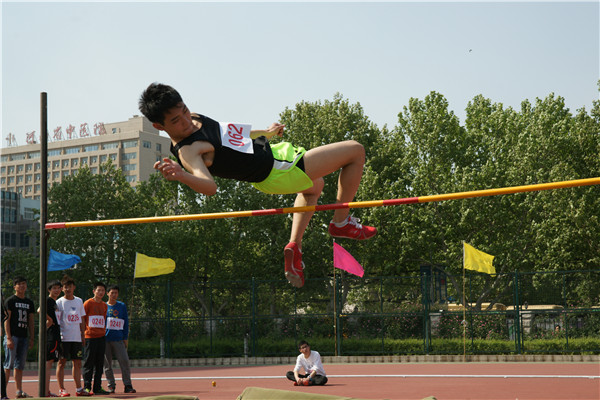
(287,175)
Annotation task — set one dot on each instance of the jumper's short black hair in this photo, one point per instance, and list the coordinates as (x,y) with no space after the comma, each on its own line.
(302,343)
(156,100)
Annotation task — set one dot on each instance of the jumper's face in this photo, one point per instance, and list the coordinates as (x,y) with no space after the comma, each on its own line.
(178,122)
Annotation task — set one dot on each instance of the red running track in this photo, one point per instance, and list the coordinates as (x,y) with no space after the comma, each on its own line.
(445,381)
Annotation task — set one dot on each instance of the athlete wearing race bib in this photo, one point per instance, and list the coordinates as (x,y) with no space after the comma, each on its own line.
(197,143)
(95,329)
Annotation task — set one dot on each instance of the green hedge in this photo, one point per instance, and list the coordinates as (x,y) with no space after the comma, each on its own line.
(326,346)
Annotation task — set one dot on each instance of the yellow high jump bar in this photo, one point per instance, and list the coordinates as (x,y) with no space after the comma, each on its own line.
(324,207)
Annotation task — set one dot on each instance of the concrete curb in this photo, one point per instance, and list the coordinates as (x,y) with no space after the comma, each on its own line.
(249,361)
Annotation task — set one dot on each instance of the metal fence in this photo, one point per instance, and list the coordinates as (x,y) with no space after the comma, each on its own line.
(543,312)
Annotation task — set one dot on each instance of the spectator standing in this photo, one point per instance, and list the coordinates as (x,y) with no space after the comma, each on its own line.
(19,333)
(117,334)
(53,339)
(72,328)
(95,330)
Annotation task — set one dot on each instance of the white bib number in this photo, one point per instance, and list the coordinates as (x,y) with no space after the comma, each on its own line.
(237,137)
(115,324)
(96,321)
(73,317)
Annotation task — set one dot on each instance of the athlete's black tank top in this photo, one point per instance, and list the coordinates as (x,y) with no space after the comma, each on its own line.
(229,163)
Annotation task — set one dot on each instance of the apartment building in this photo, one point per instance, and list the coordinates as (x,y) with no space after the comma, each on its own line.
(133,145)
(18,217)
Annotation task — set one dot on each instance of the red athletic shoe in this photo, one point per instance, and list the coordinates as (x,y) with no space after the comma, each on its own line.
(306,382)
(352,230)
(295,383)
(294,267)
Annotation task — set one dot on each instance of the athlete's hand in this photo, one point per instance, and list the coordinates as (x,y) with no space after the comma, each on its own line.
(276,128)
(171,170)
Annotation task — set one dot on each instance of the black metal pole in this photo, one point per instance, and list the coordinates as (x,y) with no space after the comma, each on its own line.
(43,390)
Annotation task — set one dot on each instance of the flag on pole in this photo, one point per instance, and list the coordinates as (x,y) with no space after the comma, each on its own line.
(149,266)
(344,260)
(477,260)
(59,261)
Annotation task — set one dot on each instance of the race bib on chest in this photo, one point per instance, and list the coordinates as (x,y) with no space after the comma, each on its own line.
(237,137)
(73,317)
(96,321)
(115,324)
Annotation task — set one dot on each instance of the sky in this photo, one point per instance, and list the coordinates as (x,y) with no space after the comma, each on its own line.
(249,61)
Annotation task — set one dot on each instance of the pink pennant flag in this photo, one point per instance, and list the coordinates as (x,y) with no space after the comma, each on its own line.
(344,260)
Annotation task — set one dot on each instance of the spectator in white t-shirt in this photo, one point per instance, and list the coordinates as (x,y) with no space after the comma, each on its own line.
(310,362)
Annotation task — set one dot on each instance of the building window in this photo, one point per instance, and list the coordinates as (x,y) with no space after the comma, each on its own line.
(93,159)
(114,130)
(18,157)
(20,179)
(94,170)
(19,168)
(28,178)
(55,175)
(103,158)
(91,147)
(24,242)
(11,169)
(146,144)
(37,177)
(3,181)
(111,145)
(2,170)
(34,154)
(28,167)
(129,167)
(37,188)
(28,189)
(72,150)
(74,162)
(130,143)
(65,173)
(129,156)
(74,171)
(4,158)
(130,178)
(54,153)
(20,190)
(11,180)
(84,160)
(55,164)
(158,147)
(37,166)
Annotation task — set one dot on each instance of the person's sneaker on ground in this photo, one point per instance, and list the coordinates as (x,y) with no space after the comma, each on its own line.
(22,395)
(351,228)
(129,389)
(63,393)
(295,383)
(84,392)
(294,267)
(111,389)
(101,391)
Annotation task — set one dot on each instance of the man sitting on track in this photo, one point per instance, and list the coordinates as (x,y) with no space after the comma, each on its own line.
(310,362)
(206,148)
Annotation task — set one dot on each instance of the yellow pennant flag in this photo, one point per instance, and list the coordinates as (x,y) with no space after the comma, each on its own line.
(149,266)
(477,260)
